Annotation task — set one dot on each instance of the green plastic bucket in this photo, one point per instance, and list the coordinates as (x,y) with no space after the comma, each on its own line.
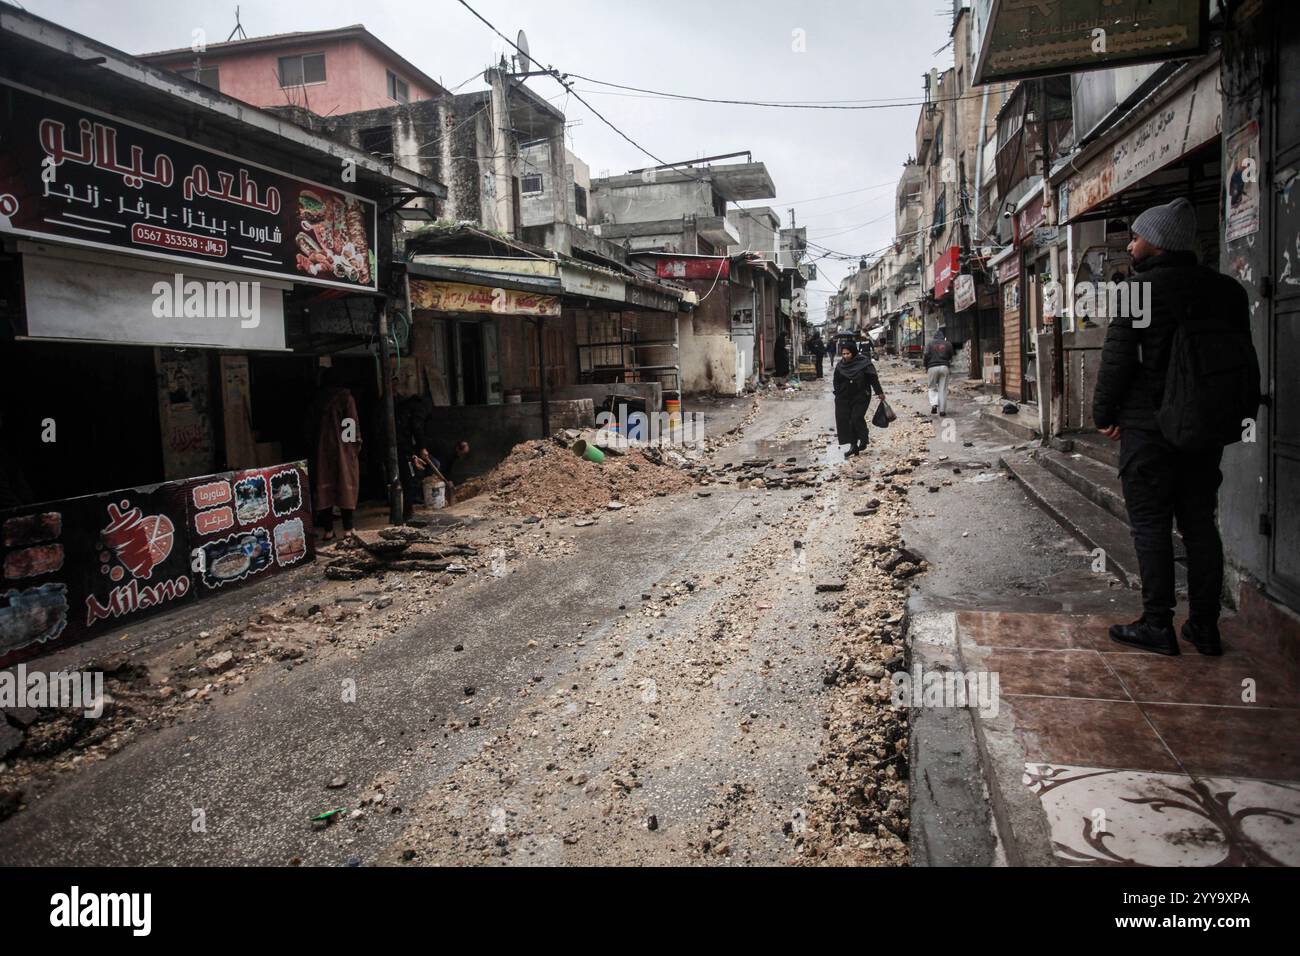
(589,452)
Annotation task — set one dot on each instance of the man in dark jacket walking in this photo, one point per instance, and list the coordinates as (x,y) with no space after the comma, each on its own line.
(937,358)
(1163,483)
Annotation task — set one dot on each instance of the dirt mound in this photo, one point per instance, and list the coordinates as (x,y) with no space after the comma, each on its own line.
(543,477)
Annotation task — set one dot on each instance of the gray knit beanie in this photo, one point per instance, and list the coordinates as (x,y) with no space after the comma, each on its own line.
(1171,227)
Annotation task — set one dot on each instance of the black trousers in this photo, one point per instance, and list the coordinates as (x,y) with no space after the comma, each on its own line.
(1163,485)
(851,420)
(819,359)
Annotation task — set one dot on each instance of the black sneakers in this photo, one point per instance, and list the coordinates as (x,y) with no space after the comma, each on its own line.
(1146,637)
(1204,637)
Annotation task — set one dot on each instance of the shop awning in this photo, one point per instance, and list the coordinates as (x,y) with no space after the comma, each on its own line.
(1178,118)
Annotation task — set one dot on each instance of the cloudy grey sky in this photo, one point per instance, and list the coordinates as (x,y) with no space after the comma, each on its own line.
(856,50)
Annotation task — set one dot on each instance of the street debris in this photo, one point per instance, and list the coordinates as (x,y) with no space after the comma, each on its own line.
(545,478)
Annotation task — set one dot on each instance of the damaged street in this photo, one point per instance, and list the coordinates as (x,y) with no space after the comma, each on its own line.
(700,676)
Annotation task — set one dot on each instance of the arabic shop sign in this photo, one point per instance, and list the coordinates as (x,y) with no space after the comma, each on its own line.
(456,297)
(83,177)
(1027,38)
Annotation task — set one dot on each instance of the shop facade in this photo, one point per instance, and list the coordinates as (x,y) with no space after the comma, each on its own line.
(175,269)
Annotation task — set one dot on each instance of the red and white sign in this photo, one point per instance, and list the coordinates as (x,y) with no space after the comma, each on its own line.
(214,493)
(214,521)
(963,296)
(693,268)
(178,241)
(945,270)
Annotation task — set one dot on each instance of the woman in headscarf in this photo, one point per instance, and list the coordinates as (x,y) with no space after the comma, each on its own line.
(854,380)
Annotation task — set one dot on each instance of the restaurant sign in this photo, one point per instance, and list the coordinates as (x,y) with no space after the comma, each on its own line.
(83,177)
(434,296)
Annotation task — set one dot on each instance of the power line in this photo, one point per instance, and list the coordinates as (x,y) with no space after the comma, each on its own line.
(555,74)
(884,104)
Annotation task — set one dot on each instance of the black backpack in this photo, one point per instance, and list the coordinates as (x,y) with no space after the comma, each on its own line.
(1211,386)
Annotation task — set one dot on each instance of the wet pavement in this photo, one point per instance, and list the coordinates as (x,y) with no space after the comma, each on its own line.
(1097,754)
(670,666)
(665,689)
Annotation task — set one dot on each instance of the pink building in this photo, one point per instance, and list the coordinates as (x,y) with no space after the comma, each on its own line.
(326,71)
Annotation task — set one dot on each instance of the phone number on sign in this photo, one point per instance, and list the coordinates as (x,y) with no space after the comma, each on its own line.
(171,239)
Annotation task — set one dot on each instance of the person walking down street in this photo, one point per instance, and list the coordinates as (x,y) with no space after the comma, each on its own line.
(338,455)
(1168,472)
(937,358)
(854,380)
(818,349)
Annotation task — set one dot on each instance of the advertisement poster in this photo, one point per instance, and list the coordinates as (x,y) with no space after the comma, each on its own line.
(183,407)
(1242,171)
(245,524)
(80,176)
(71,570)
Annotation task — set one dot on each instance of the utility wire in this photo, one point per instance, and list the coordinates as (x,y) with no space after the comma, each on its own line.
(881,104)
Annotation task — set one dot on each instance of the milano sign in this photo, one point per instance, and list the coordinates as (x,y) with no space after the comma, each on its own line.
(78,176)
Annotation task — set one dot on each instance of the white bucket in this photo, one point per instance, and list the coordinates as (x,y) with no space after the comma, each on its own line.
(435,493)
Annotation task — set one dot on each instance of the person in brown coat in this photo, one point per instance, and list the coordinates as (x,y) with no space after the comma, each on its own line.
(338,455)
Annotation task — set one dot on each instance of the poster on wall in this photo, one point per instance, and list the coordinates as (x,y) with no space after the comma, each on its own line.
(87,178)
(72,570)
(1242,172)
(248,523)
(183,411)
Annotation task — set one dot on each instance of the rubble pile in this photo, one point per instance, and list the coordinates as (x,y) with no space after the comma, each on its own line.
(363,553)
(546,478)
(765,473)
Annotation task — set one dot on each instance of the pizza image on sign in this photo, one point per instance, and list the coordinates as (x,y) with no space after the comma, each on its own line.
(140,542)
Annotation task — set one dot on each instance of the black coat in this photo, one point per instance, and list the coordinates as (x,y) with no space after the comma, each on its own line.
(853,383)
(782,355)
(1135,362)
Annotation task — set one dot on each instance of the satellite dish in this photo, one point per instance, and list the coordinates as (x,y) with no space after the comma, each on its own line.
(524,59)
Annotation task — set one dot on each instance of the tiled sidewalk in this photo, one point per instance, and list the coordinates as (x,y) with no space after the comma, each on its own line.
(1138,759)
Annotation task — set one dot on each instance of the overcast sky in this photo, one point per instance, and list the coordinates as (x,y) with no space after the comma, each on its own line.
(733,49)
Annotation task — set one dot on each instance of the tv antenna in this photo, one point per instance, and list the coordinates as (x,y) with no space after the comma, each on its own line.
(239,28)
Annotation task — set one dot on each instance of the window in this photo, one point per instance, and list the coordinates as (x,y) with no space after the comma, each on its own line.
(206,75)
(378,140)
(940,220)
(397,88)
(579,201)
(532,184)
(307,68)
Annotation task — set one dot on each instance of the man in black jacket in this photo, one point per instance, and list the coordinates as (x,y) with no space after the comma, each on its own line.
(937,357)
(1162,483)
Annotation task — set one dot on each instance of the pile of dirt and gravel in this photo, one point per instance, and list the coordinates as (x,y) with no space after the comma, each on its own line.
(545,478)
